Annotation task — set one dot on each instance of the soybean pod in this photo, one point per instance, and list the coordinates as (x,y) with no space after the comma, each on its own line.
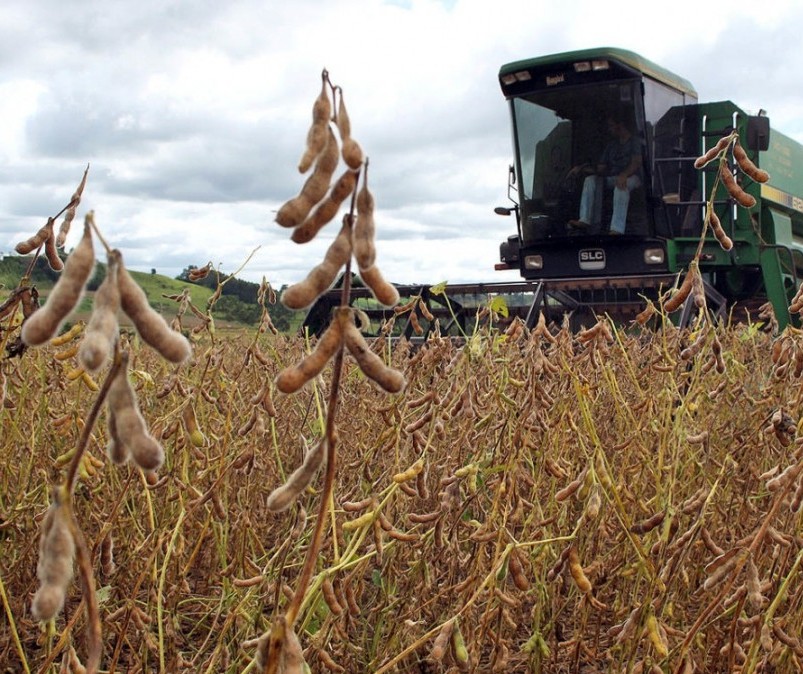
(45,322)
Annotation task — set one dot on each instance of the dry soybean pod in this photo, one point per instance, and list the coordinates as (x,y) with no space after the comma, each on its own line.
(328,662)
(107,564)
(293,212)
(441,642)
(351,151)
(292,378)
(264,399)
(316,136)
(516,568)
(316,187)
(385,293)
(283,497)
(753,583)
(342,116)
(51,253)
(709,543)
(267,401)
(69,335)
(303,294)
(734,189)
(292,654)
(29,297)
(674,302)
(130,427)
(411,473)
(45,322)
(693,504)
(593,504)
(571,488)
(102,329)
(150,325)
(364,228)
(712,153)
(797,301)
(249,423)
(649,524)
(64,229)
(426,313)
(55,566)
(424,518)
(325,167)
(328,591)
(787,477)
(716,226)
(787,640)
(356,506)
(37,240)
(327,209)
(722,565)
(351,596)
(191,428)
(199,273)
(362,521)
(383,520)
(797,497)
(12,301)
(321,277)
(747,165)
(116,449)
(576,570)
(373,366)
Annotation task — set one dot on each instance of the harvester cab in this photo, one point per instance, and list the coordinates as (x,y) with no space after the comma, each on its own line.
(608,204)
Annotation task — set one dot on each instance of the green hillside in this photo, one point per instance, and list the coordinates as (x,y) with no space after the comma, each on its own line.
(237,306)
(12,268)
(155,286)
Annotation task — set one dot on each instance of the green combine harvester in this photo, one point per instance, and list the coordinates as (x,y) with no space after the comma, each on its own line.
(566,108)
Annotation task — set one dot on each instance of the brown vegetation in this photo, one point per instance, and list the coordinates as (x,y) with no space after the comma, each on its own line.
(201,564)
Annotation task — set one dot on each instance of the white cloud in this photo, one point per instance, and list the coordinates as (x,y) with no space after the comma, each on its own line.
(193,115)
(18,98)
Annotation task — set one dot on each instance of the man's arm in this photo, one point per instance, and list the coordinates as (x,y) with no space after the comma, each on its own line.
(631,169)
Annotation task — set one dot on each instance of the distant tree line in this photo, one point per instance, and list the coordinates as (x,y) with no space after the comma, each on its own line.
(238,301)
(13,267)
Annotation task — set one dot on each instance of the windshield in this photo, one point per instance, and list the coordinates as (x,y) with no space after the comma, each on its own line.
(574,147)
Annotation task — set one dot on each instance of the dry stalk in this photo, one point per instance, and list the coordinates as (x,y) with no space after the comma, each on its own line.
(307,218)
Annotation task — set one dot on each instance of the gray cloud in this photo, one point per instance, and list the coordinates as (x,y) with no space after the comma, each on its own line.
(193,115)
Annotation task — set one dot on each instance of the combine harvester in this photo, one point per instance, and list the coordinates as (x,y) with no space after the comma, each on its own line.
(564,109)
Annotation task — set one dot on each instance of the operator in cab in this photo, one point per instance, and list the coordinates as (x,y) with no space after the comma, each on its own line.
(619,168)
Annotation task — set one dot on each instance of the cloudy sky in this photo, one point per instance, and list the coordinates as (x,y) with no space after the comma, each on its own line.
(193,114)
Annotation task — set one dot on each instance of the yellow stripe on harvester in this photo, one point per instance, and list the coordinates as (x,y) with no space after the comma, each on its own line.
(783,198)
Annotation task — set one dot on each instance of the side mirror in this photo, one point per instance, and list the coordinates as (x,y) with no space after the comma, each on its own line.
(758,132)
(502,210)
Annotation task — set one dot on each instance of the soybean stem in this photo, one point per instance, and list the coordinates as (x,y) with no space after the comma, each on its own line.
(160,592)
(94,645)
(13,627)
(329,480)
